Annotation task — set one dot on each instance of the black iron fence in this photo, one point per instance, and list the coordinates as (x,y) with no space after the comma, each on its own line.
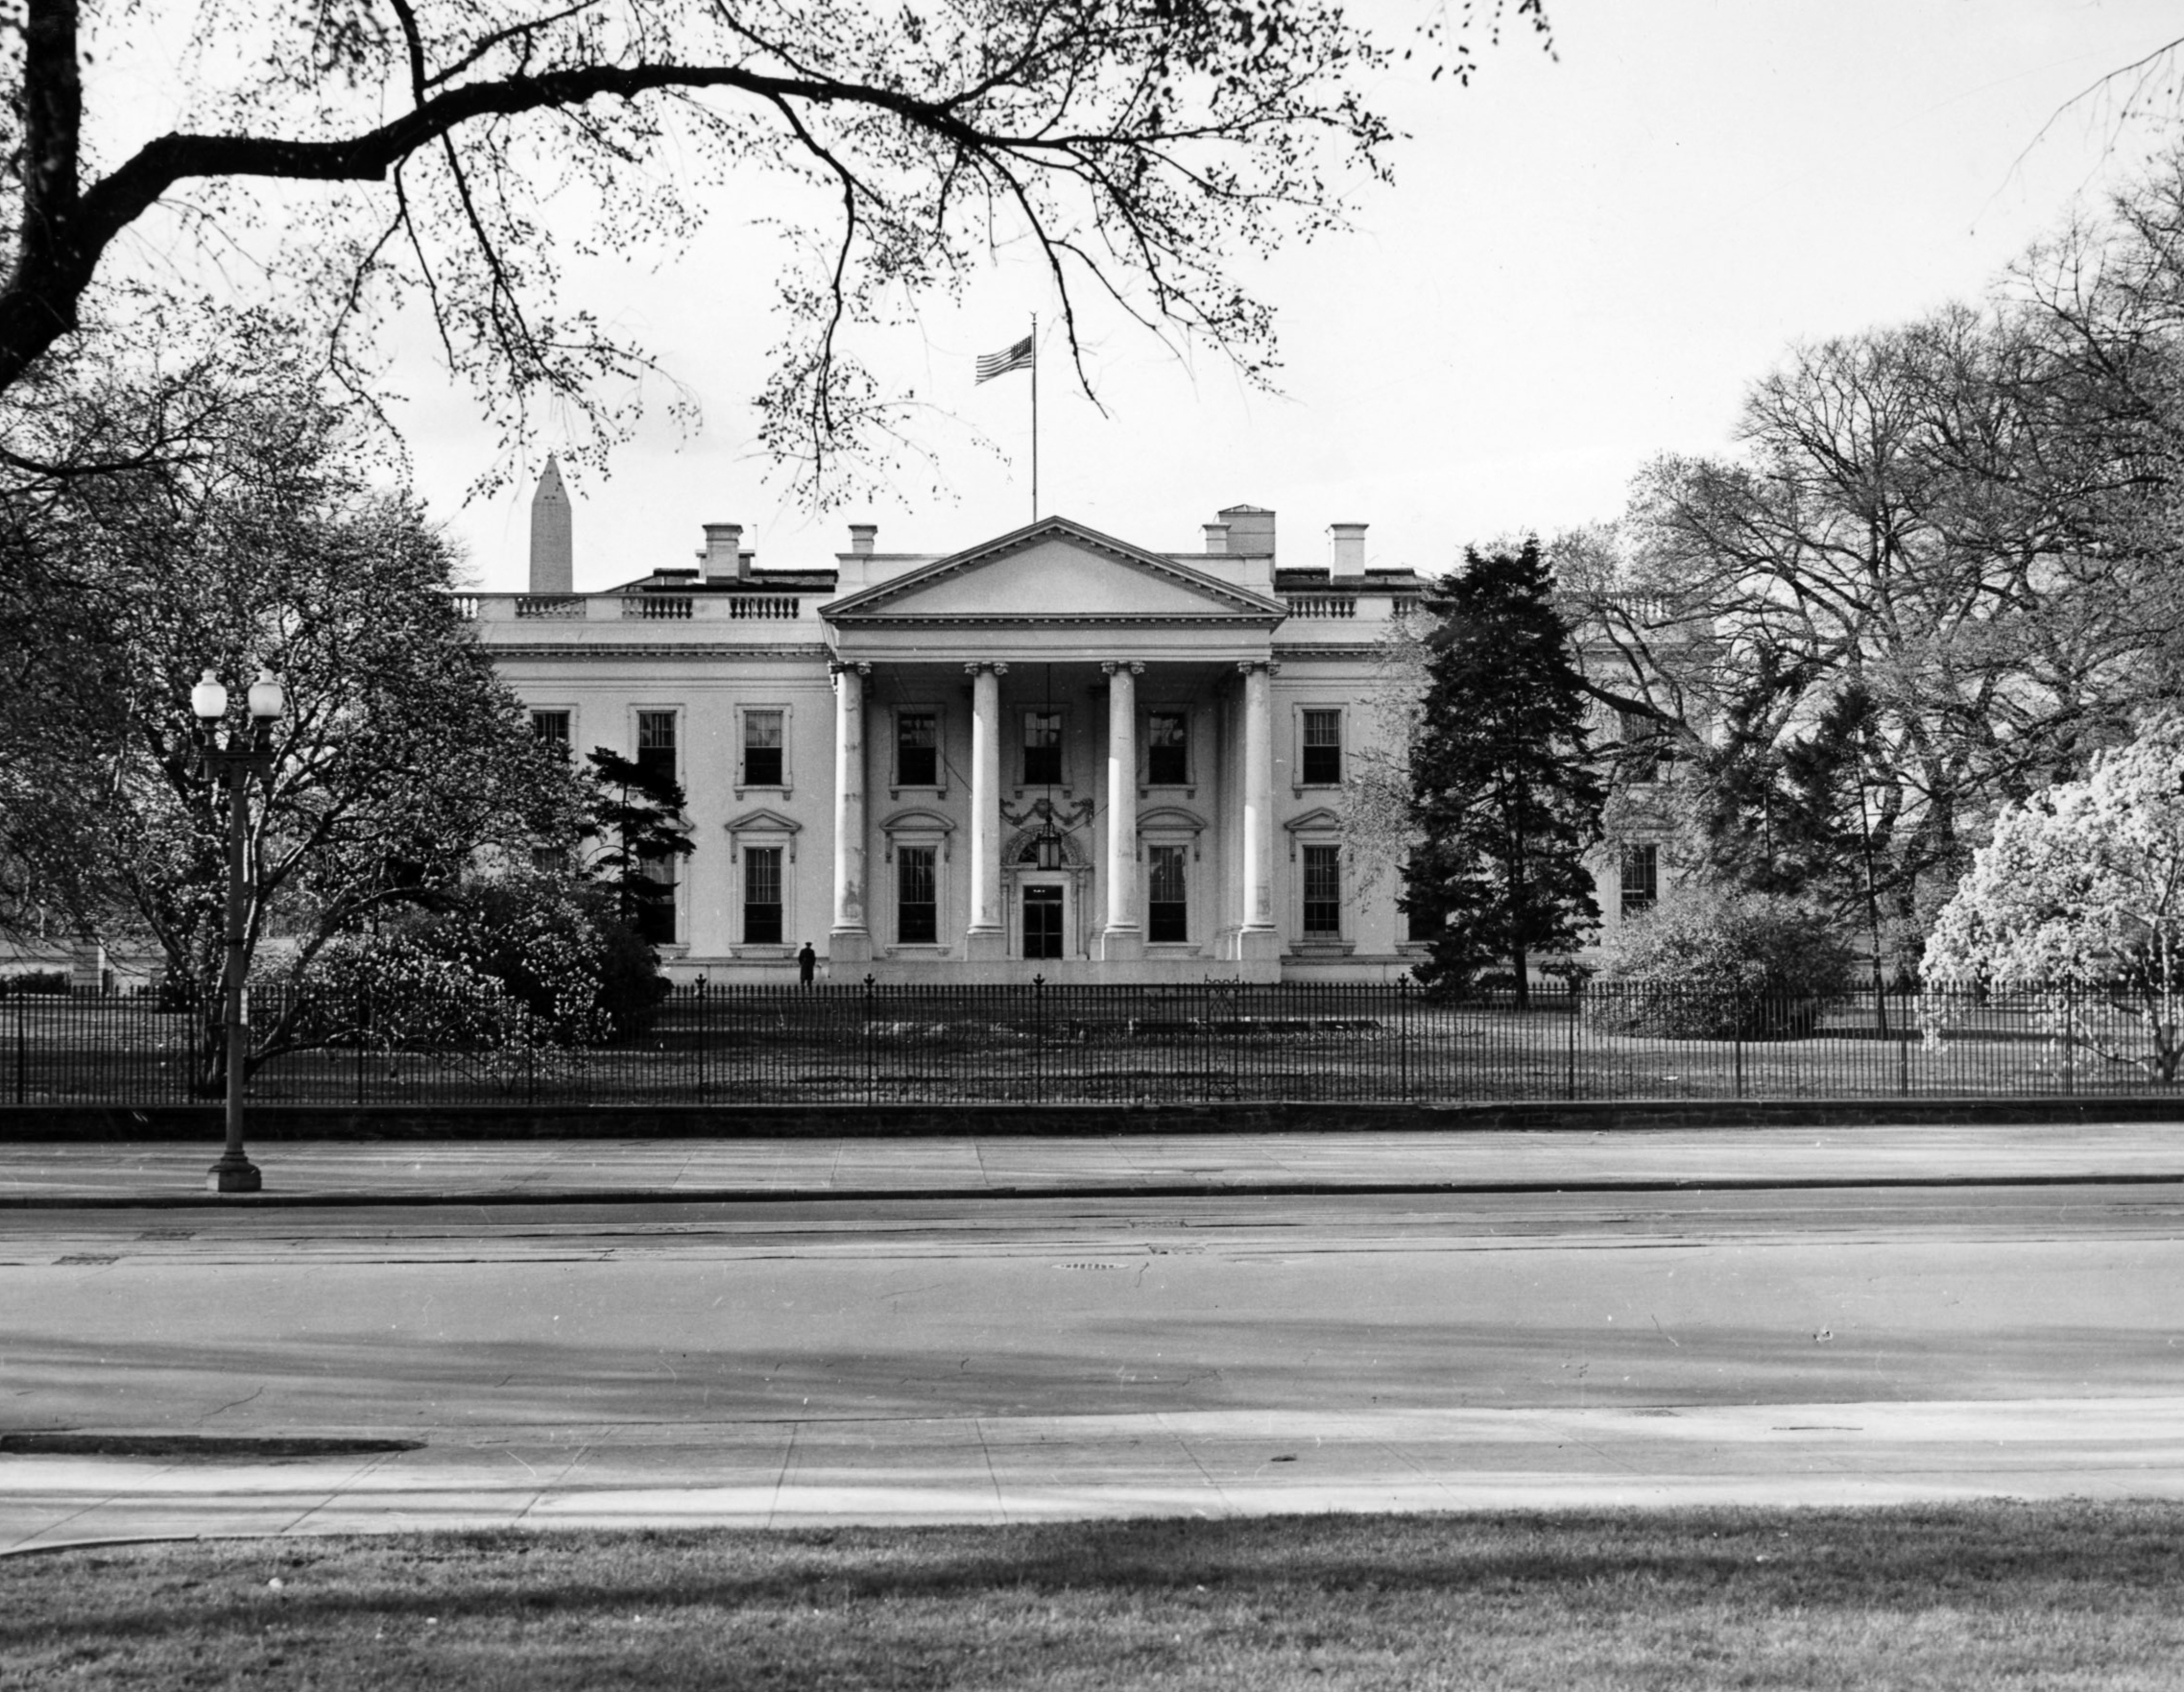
(1041,1043)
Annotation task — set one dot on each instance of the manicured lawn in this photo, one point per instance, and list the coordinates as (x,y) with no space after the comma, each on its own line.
(2068,1595)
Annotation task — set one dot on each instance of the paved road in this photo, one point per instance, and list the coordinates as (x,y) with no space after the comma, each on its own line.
(928,1359)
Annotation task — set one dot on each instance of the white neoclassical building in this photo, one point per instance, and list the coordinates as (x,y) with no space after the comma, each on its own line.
(1050,753)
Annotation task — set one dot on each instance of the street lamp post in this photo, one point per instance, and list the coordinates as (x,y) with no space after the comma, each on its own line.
(235,764)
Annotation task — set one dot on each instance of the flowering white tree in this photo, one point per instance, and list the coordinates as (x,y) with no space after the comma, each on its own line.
(2083,886)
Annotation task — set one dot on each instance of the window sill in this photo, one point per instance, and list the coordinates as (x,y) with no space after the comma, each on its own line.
(1322,947)
(783,952)
(920,949)
(780,792)
(897,792)
(1170,790)
(1173,949)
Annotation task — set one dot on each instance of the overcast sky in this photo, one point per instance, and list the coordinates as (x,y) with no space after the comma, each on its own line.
(1583,262)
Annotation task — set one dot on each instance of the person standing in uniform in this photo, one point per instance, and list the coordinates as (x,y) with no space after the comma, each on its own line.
(806,965)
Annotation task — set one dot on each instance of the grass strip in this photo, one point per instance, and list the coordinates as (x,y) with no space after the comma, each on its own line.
(2007,1595)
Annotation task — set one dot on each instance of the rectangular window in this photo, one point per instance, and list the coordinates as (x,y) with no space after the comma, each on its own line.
(1419,926)
(917,896)
(1640,746)
(1167,912)
(654,890)
(1323,891)
(1167,746)
(549,860)
(761,749)
(551,727)
(761,895)
(916,749)
(1042,748)
(655,744)
(1641,878)
(1323,749)
(917,911)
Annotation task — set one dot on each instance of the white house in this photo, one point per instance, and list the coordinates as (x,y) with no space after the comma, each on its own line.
(1053,752)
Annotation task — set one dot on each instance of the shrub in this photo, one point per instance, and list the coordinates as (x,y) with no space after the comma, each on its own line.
(34,981)
(387,992)
(560,949)
(527,961)
(1704,965)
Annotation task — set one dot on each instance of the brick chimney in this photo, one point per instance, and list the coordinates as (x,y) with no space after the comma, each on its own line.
(1346,547)
(1216,539)
(725,559)
(1251,530)
(553,568)
(861,537)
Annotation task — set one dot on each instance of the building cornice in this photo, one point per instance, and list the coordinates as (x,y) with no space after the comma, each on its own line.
(587,652)
(977,620)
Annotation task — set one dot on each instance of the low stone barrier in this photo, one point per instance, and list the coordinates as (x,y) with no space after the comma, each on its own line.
(95,1124)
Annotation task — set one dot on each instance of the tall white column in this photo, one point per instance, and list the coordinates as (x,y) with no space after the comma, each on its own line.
(850,941)
(1123,937)
(1259,937)
(987,936)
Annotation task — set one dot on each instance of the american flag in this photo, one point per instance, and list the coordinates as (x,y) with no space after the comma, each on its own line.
(999,364)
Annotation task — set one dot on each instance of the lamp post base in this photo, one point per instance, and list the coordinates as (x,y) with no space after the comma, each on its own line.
(234,1173)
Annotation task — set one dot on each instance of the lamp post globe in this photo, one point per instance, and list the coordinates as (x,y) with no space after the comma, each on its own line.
(267,700)
(208,699)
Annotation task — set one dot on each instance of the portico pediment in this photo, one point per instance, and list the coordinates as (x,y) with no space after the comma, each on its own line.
(1055,571)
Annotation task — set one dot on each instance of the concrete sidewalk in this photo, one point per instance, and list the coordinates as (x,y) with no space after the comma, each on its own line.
(781,1473)
(170,1174)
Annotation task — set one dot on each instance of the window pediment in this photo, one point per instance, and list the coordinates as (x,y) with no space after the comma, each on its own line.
(1318,825)
(764,821)
(763,825)
(918,824)
(918,820)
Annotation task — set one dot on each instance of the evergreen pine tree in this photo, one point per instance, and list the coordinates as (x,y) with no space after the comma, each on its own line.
(1504,793)
(637,818)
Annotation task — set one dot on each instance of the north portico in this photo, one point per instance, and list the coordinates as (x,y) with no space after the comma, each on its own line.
(1116,705)
(1054,753)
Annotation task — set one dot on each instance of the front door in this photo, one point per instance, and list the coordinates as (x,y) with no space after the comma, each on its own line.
(1043,922)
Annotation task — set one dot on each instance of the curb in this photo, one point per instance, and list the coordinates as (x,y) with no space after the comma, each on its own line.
(599,1195)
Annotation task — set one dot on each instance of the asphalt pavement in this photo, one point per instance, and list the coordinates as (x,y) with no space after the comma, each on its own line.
(575,1334)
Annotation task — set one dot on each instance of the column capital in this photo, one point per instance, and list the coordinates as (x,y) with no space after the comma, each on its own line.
(837,665)
(1111,665)
(1245,665)
(971,669)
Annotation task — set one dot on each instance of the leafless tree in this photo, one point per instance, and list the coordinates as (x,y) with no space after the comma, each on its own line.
(363,151)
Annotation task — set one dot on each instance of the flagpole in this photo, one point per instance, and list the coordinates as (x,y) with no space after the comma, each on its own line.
(1035,417)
